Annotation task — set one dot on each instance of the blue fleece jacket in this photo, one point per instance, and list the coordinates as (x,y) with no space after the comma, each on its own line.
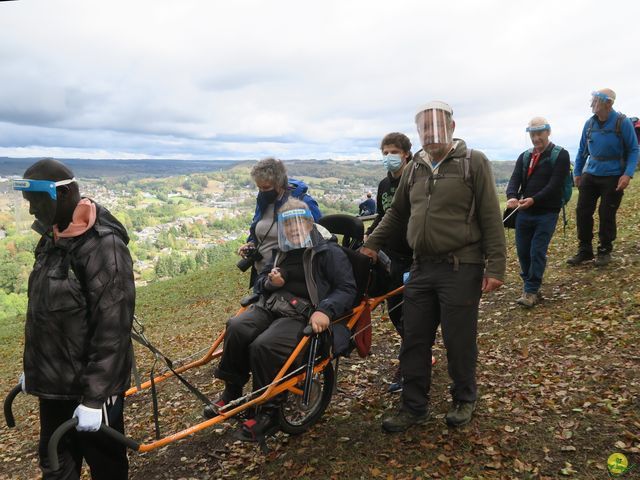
(608,154)
(297,189)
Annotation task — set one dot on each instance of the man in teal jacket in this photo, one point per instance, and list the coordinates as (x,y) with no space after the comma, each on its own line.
(609,148)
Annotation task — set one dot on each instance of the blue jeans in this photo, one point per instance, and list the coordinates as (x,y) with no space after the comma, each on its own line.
(533,234)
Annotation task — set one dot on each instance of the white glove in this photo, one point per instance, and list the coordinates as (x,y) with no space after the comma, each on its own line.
(21,380)
(89,419)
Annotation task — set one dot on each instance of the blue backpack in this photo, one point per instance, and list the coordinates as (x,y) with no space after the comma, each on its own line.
(567,186)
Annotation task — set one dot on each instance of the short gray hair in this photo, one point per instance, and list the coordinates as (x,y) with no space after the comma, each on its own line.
(272,171)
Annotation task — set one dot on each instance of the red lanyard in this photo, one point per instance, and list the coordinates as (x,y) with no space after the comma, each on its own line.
(532,164)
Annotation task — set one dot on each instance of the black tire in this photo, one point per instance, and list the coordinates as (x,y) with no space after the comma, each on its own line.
(294,417)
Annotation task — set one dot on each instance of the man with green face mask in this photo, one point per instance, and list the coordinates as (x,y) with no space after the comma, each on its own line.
(448,202)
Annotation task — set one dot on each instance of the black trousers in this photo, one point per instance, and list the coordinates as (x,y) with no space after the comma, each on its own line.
(258,343)
(439,294)
(591,189)
(106,458)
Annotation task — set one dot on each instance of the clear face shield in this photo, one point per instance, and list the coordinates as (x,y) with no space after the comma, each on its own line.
(435,128)
(36,198)
(296,230)
(538,136)
(599,100)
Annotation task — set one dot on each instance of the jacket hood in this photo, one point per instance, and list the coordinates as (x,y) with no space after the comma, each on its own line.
(105,220)
(297,188)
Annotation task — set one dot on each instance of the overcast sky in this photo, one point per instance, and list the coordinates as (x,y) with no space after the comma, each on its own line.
(245,79)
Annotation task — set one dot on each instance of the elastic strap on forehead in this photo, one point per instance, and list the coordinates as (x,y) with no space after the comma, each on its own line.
(601,96)
(295,213)
(65,182)
(539,128)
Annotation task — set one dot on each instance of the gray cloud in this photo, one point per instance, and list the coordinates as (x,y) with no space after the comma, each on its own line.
(245,79)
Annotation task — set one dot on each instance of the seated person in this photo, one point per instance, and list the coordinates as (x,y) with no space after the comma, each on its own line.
(368,207)
(259,340)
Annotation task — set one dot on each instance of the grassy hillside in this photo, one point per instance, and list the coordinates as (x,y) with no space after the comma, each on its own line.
(559,385)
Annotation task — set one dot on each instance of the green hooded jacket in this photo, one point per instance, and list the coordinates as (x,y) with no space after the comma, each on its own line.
(451,215)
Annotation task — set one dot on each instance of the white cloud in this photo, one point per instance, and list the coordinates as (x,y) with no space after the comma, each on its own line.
(248,78)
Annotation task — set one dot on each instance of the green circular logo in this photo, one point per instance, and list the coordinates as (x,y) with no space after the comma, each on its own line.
(617,463)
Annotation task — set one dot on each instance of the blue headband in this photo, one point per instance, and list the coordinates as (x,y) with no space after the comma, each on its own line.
(47,186)
(295,213)
(539,128)
(602,96)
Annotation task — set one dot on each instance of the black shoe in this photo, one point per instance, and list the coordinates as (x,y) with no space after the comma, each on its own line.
(265,423)
(402,420)
(460,413)
(580,257)
(602,259)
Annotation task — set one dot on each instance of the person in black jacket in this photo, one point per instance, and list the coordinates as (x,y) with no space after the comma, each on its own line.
(77,352)
(307,281)
(536,188)
(396,154)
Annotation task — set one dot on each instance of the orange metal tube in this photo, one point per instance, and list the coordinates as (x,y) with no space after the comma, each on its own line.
(274,389)
(210,355)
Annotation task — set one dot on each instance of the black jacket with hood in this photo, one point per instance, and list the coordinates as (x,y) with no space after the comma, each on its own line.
(79,316)
(328,274)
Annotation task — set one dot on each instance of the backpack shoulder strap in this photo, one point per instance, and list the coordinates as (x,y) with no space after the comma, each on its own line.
(412,175)
(526,160)
(466,174)
(466,165)
(619,120)
(590,129)
(553,157)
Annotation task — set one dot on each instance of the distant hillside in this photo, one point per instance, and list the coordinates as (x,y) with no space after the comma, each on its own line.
(367,171)
(85,168)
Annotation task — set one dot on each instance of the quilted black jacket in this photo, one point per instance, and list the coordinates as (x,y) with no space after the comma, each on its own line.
(79,316)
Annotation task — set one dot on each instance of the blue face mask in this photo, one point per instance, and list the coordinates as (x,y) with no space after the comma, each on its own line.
(392,162)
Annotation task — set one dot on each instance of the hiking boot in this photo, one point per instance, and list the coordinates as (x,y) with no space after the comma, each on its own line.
(460,413)
(580,257)
(402,420)
(528,299)
(602,259)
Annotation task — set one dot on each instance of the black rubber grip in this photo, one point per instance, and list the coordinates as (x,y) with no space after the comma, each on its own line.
(68,425)
(8,402)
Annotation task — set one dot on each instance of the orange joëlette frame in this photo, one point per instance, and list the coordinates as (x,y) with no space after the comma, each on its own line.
(275,388)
